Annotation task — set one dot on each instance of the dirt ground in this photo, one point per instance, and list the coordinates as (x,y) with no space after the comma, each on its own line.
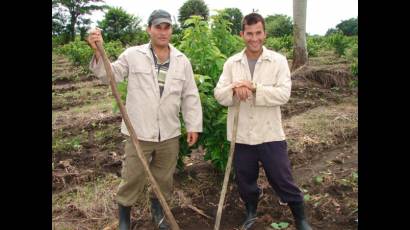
(320,122)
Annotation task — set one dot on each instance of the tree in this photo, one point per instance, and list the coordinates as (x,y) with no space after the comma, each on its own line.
(221,34)
(193,7)
(348,27)
(234,15)
(77,8)
(176,33)
(300,56)
(176,28)
(83,24)
(119,25)
(59,25)
(59,20)
(278,25)
(331,31)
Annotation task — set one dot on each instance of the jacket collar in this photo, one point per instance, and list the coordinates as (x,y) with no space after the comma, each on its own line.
(146,50)
(264,56)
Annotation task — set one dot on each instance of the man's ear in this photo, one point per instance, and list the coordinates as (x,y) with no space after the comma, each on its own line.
(241,34)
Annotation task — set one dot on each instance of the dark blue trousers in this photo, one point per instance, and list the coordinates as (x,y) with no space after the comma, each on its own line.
(275,161)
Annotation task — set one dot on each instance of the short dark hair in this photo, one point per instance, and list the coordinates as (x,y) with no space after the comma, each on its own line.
(252,19)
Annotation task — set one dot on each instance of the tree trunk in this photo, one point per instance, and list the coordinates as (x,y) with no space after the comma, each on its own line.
(73,20)
(300,55)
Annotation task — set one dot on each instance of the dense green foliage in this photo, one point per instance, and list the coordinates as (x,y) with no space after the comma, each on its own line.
(117,24)
(193,7)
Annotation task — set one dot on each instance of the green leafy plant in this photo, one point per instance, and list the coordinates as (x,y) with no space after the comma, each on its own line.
(278,25)
(339,42)
(118,25)
(176,39)
(122,90)
(350,181)
(315,44)
(184,149)
(192,7)
(282,45)
(207,62)
(351,54)
(80,53)
(113,49)
(213,137)
(198,45)
(318,179)
(227,43)
(280,225)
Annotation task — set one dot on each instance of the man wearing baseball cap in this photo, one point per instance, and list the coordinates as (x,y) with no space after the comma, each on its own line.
(160,85)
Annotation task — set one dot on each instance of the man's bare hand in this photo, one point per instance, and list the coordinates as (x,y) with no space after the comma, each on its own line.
(94,35)
(247,84)
(192,138)
(241,91)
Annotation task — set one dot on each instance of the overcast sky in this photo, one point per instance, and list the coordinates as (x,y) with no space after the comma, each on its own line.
(321,14)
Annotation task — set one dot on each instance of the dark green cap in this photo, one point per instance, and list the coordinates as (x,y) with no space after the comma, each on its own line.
(159,16)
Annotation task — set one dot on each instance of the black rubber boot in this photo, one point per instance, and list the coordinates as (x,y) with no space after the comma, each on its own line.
(158,215)
(298,211)
(250,215)
(124,217)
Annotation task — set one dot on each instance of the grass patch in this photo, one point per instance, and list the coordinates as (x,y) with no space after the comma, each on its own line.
(106,133)
(80,96)
(322,127)
(87,111)
(92,204)
(68,143)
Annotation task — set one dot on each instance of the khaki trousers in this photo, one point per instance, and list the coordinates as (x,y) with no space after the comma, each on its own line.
(162,159)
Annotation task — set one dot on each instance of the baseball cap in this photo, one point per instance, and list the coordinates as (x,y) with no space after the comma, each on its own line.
(159,16)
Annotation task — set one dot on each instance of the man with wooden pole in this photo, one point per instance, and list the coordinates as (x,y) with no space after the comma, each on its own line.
(261,80)
(160,85)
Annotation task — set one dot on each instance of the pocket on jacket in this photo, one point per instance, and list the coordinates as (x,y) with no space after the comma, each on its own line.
(176,82)
(140,77)
(141,70)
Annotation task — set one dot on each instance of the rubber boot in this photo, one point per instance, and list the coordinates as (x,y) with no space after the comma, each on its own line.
(158,215)
(298,211)
(124,217)
(250,215)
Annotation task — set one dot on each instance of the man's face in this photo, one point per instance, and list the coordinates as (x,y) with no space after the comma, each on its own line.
(160,34)
(254,36)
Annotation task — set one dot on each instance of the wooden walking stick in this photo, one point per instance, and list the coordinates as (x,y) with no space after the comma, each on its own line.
(154,184)
(228,167)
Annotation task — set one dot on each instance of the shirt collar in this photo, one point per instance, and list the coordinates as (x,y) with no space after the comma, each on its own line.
(154,55)
(264,56)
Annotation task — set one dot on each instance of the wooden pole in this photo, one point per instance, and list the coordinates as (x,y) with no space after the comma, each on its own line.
(154,184)
(228,168)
